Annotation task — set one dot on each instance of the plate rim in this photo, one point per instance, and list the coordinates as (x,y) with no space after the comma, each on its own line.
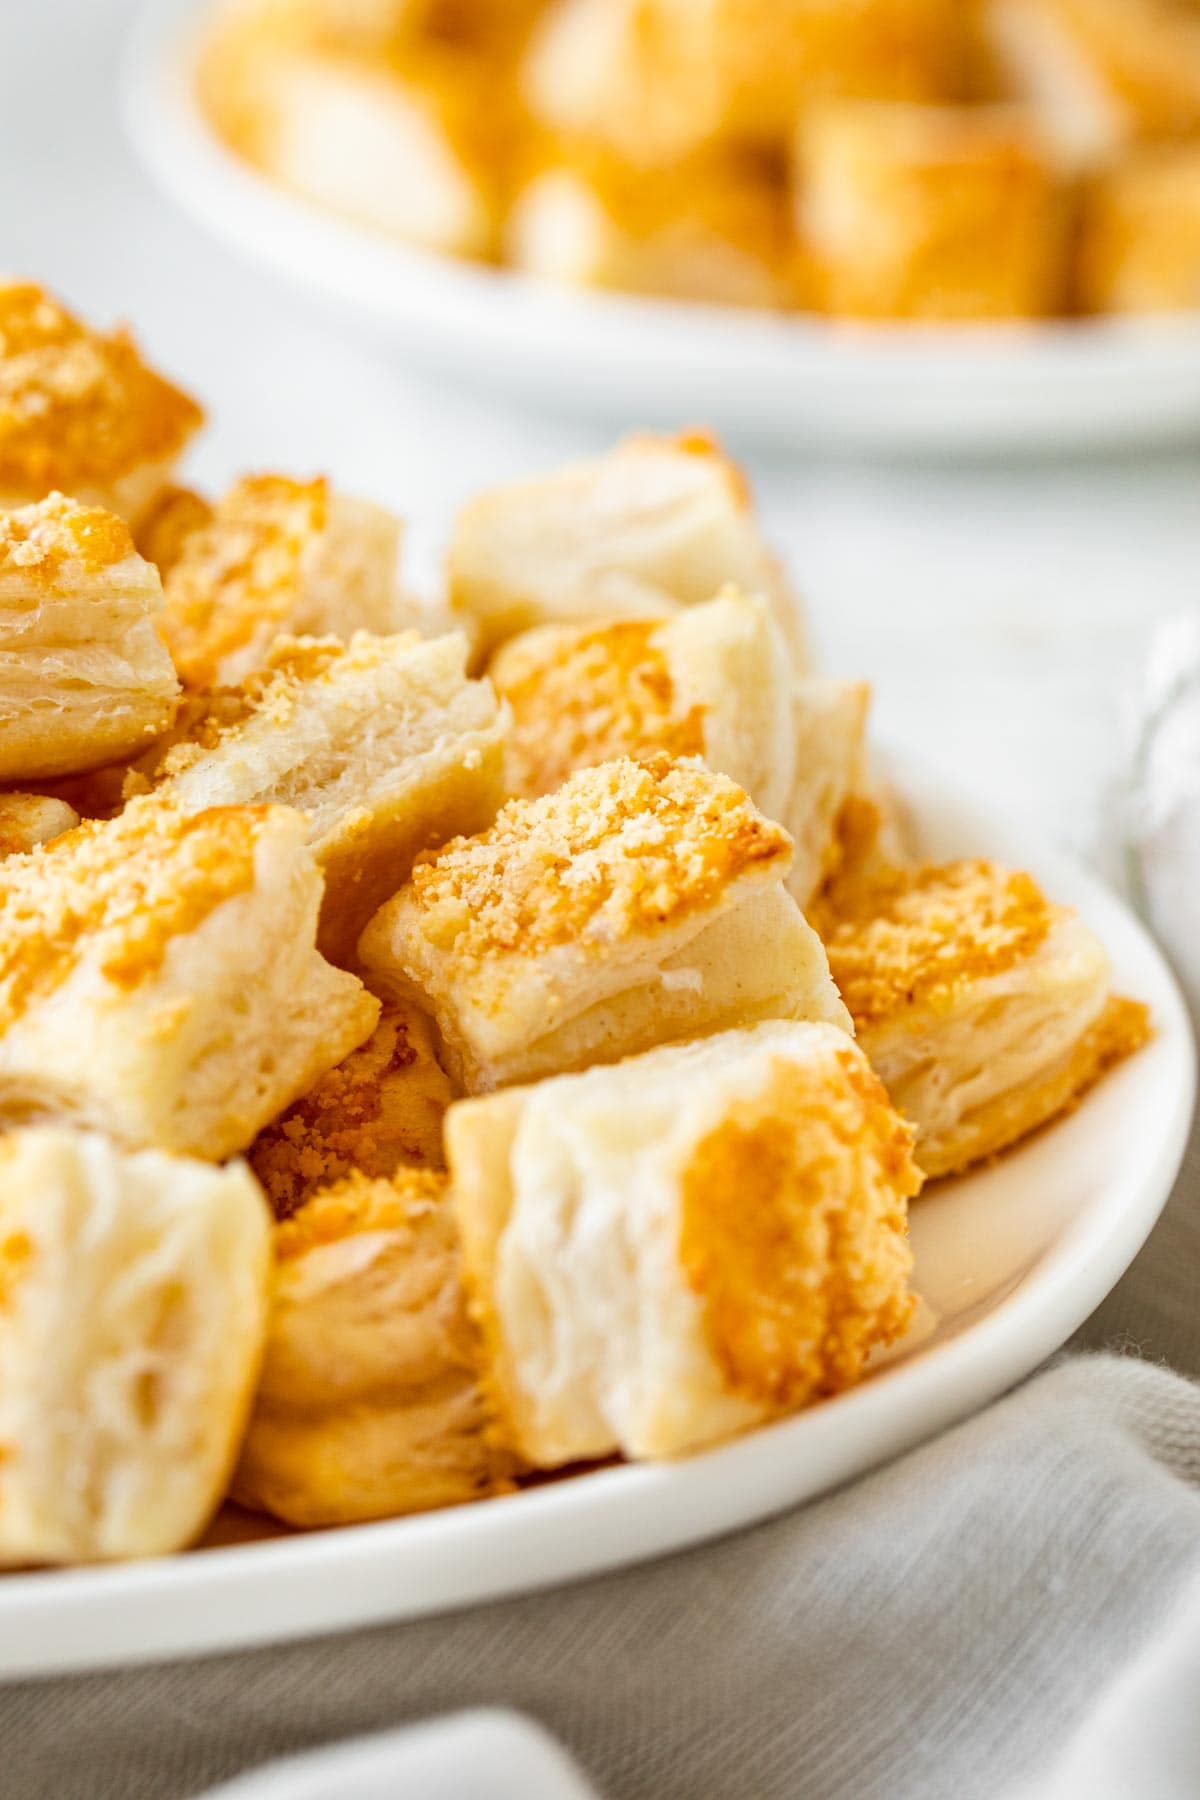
(204,1602)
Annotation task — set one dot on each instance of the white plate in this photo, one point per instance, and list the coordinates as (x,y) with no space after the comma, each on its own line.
(786,381)
(1011,1261)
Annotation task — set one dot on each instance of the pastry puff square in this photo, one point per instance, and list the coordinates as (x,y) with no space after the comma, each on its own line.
(656,524)
(27,820)
(657,79)
(408,149)
(665,1253)
(378,1111)
(1139,249)
(715,230)
(754,65)
(84,676)
(383,744)
(1099,74)
(276,557)
(370,1402)
(133,1312)
(930,212)
(159,981)
(985,1009)
(715,681)
(642,901)
(80,411)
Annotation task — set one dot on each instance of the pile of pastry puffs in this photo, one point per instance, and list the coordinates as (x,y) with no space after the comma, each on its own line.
(433,1057)
(871,159)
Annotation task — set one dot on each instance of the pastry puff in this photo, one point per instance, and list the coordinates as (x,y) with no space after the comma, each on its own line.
(370,1403)
(929,212)
(714,680)
(1099,74)
(668,1252)
(985,1010)
(656,524)
(84,676)
(755,65)
(407,149)
(378,1111)
(274,557)
(80,411)
(133,1311)
(27,820)
(655,80)
(383,744)
(158,978)
(1139,248)
(715,230)
(642,901)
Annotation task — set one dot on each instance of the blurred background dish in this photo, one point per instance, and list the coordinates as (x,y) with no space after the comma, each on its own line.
(888,263)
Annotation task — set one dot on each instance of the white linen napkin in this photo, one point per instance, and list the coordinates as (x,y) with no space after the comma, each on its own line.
(994,1609)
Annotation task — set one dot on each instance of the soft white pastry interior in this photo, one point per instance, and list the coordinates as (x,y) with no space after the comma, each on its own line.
(133,1314)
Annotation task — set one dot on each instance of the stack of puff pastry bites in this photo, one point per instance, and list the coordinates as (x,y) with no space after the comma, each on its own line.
(430,1058)
(903,160)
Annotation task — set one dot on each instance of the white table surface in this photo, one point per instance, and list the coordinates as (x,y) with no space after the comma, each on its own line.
(999,610)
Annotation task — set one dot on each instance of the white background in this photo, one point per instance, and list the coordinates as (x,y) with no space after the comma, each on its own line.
(999,610)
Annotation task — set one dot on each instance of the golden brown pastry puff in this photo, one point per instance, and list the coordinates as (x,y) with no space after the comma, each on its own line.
(165,527)
(657,78)
(370,1403)
(1100,74)
(714,229)
(27,820)
(656,524)
(84,677)
(400,138)
(985,1010)
(383,744)
(714,680)
(80,411)
(670,1251)
(1140,238)
(158,978)
(378,1111)
(930,212)
(275,557)
(133,1309)
(642,901)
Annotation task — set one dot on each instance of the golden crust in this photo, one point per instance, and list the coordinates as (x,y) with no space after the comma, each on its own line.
(581,699)
(117,893)
(380,1109)
(1140,58)
(619,850)
(917,938)
(798,1279)
(355,1204)
(713,227)
(1139,246)
(240,568)
(164,530)
(767,59)
(41,543)
(1122,1029)
(934,212)
(78,409)
(27,820)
